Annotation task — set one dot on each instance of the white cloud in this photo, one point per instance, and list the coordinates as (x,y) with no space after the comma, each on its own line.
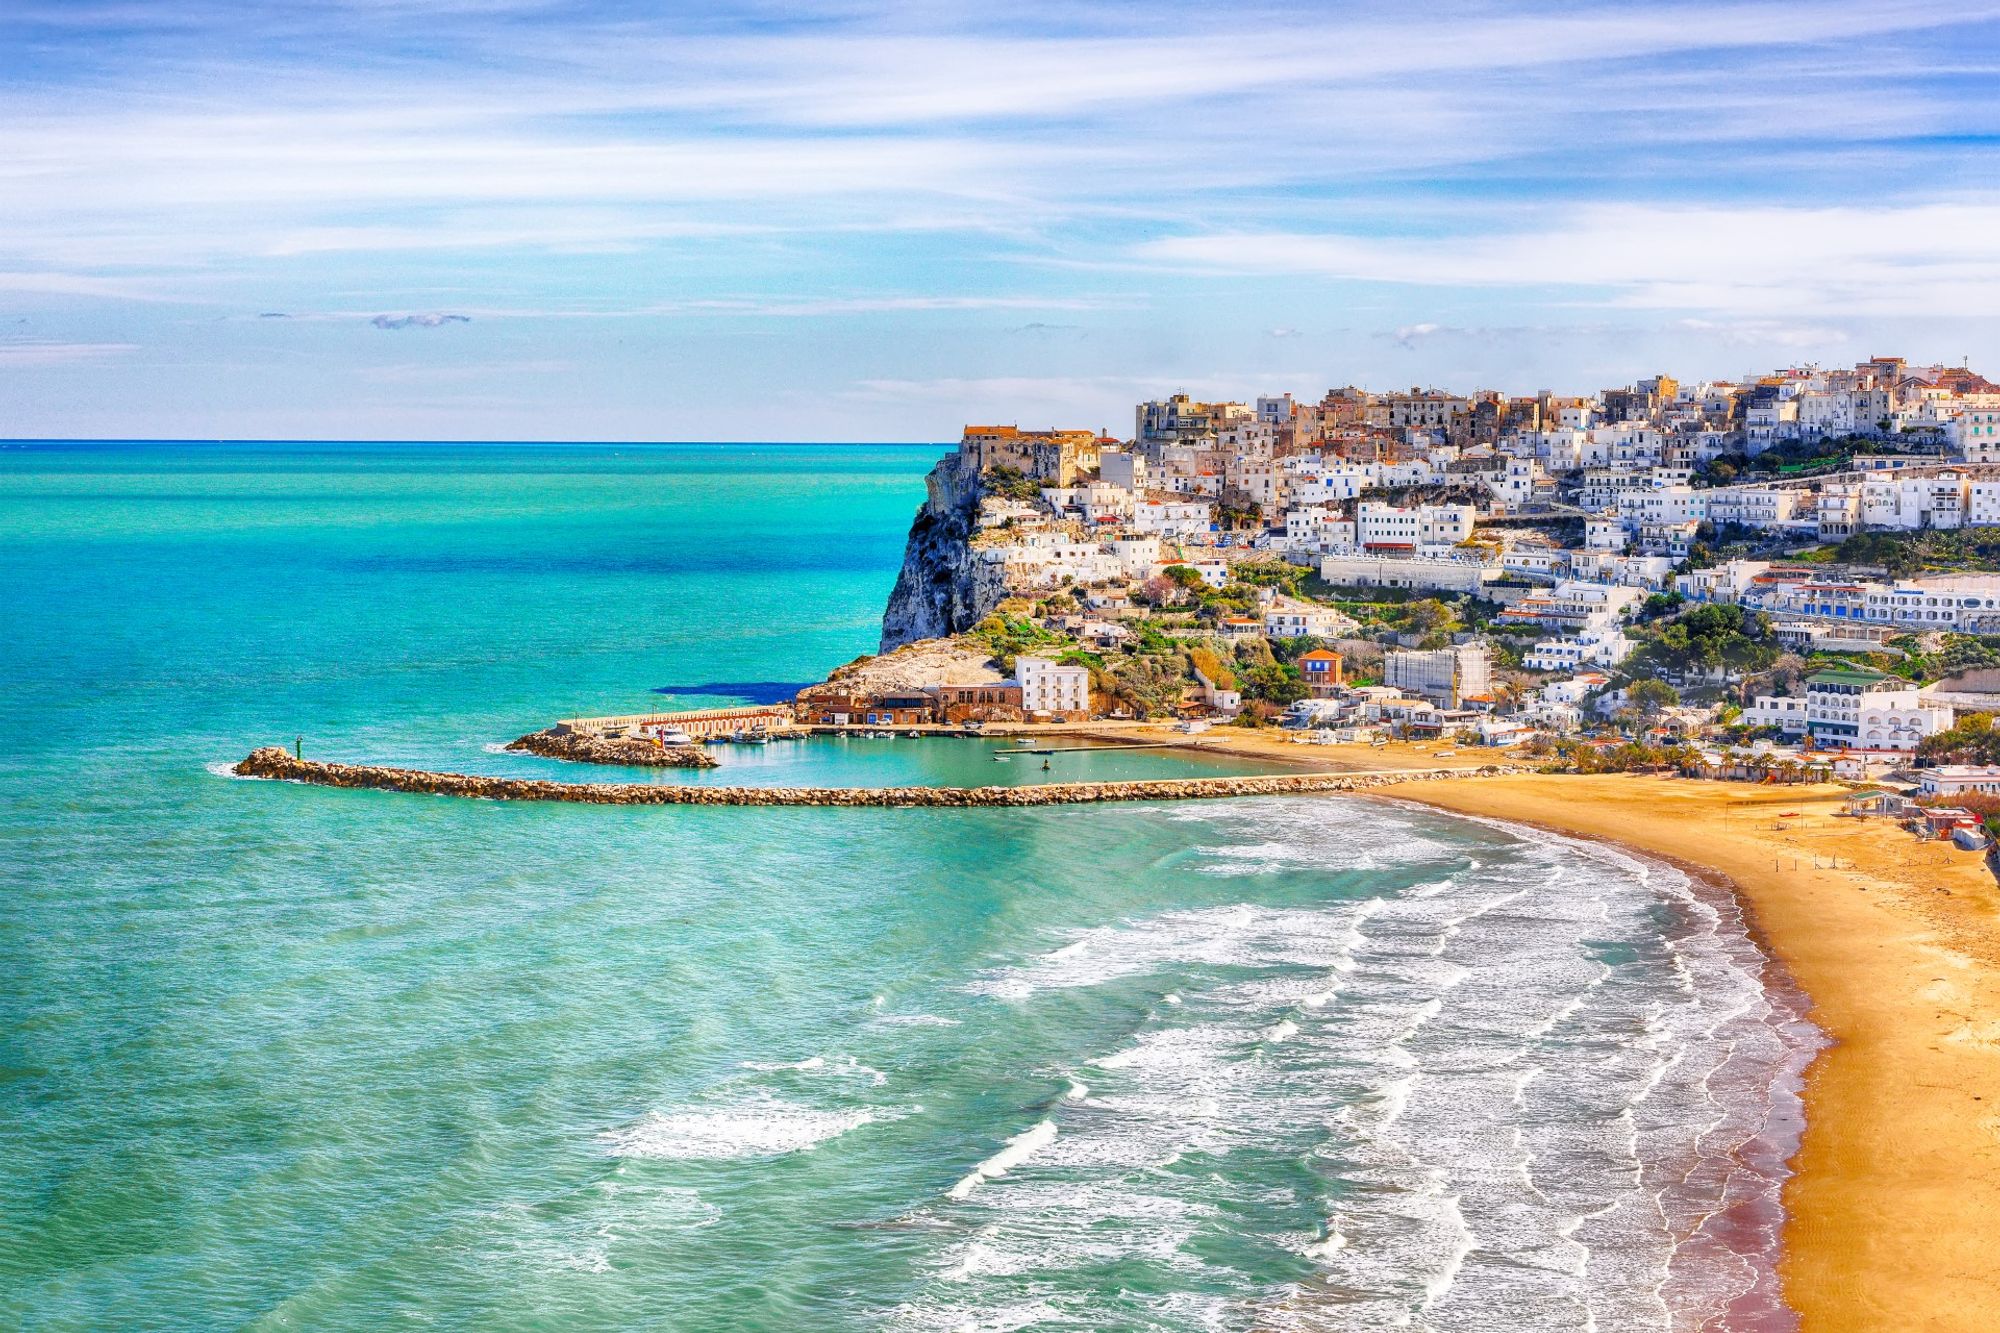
(1101,401)
(1762,332)
(867,305)
(1757,260)
(871,73)
(579,137)
(759,307)
(80,284)
(429,320)
(1411,334)
(23,353)
(1486,167)
(416,372)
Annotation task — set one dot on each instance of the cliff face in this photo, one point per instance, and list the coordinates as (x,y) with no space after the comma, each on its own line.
(945,586)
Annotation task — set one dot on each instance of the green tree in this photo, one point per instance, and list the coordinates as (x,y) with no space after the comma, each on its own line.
(1007,637)
(1709,637)
(1010,482)
(1274,684)
(1430,616)
(1148,685)
(1255,652)
(1651,695)
(1970,740)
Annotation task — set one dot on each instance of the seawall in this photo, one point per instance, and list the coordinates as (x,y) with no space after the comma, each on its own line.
(275,763)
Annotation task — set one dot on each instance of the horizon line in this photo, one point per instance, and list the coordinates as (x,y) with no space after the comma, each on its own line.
(712,444)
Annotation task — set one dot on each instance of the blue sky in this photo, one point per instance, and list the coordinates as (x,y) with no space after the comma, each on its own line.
(489,219)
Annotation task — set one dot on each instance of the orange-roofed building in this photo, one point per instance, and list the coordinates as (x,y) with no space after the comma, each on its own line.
(1321,671)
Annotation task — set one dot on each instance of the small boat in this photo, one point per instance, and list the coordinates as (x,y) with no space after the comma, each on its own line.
(753,738)
(673,736)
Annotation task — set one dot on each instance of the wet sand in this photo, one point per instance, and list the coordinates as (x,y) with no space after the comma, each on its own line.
(1893,1217)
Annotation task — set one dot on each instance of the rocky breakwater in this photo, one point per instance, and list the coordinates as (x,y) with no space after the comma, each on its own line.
(277,763)
(945,586)
(564,742)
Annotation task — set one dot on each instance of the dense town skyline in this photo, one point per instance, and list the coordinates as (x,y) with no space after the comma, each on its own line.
(576,221)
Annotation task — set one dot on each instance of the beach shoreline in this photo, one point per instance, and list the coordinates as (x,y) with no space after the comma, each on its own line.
(1888,1208)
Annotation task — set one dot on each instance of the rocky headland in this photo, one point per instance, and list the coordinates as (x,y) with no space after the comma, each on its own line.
(919,665)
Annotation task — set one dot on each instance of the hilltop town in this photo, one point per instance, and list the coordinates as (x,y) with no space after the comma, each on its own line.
(1790,573)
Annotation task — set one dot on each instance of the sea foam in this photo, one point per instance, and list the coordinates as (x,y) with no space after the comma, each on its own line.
(1551,1085)
(757,1126)
(1016,1151)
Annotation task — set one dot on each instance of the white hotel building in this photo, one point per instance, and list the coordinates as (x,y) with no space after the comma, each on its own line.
(1856,710)
(1062,691)
(1383,528)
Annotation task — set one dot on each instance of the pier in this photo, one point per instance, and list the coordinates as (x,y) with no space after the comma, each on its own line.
(280,764)
(700,723)
(1101,749)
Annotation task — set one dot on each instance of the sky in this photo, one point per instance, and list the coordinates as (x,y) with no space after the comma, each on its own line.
(503,219)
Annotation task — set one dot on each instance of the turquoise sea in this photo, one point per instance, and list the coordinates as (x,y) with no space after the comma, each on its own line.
(279,1057)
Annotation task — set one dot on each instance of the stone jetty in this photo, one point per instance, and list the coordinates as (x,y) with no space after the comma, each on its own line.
(276,763)
(583,747)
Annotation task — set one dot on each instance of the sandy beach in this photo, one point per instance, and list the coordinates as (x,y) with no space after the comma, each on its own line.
(1894,1213)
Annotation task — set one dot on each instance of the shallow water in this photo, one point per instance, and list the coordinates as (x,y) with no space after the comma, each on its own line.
(897,760)
(312,1058)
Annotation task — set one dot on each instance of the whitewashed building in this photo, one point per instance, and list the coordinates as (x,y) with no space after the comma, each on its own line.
(1382,527)
(1866,710)
(1376,571)
(1180,519)
(1957,779)
(1047,687)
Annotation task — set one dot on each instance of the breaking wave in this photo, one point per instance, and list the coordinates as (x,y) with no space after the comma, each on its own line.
(1555,1088)
(759,1125)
